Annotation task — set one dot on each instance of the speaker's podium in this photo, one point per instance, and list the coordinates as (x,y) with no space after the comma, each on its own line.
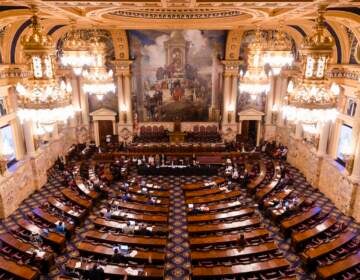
(177,136)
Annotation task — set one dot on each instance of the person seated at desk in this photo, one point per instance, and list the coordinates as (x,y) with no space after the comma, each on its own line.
(228,171)
(241,241)
(117,256)
(97,273)
(235,175)
(60,227)
(107,214)
(125,197)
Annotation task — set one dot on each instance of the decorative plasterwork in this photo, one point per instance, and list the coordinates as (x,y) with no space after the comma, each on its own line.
(160,13)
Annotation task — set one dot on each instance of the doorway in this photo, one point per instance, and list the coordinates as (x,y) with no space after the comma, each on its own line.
(105,128)
(249,131)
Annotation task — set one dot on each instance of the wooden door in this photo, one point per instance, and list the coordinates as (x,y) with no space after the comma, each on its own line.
(105,128)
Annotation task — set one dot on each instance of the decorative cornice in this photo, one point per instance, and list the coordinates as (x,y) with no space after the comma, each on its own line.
(162,13)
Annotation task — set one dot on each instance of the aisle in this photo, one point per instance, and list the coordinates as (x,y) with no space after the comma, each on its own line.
(177,258)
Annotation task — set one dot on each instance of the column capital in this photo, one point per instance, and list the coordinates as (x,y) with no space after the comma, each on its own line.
(121,67)
(231,67)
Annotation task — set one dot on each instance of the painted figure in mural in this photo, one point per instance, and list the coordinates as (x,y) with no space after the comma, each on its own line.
(173,73)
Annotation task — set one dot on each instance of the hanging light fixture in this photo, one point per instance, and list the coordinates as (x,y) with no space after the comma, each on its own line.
(42,99)
(312,99)
(97,80)
(75,52)
(255,81)
(279,53)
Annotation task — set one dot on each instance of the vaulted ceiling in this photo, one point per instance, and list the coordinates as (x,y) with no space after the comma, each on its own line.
(296,16)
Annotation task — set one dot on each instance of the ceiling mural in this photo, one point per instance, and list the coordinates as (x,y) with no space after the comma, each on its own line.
(176,74)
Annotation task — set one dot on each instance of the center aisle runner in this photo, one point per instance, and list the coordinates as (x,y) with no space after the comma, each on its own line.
(177,258)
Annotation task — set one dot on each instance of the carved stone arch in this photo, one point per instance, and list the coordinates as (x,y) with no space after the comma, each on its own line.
(343,39)
(233,41)
(121,44)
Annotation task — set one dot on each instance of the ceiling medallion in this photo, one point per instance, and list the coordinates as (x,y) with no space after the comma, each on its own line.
(177,13)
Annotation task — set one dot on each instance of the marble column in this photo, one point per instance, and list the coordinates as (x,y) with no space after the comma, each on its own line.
(123,85)
(18,139)
(127,97)
(298,130)
(29,137)
(258,133)
(96,133)
(227,81)
(270,101)
(84,101)
(55,132)
(324,137)
(233,97)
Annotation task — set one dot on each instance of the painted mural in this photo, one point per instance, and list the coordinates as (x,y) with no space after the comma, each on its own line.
(176,74)
(354,48)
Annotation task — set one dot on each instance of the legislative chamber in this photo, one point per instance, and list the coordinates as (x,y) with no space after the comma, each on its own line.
(179,140)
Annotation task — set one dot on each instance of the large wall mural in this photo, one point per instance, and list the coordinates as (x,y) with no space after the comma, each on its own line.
(176,74)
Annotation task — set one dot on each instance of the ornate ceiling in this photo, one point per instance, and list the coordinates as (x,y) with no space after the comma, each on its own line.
(236,15)
(204,14)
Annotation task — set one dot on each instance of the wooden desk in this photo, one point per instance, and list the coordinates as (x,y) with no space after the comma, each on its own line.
(227,239)
(252,185)
(214,198)
(336,268)
(220,216)
(224,205)
(300,237)
(43,257)
(151,192)
(201,185)
(240,269)
(315,253)
(79,216)
(118,271)
(224,226)
(267,247)
(203,192)
(298,219)
(20,271)
(85,190)
(264,191)
(107,250)
(281,195)
(125,239)
(139,207)
(74,197)
(122,215)
(144,199)
(280,213)
(117,225)
(54,239)
(44,215)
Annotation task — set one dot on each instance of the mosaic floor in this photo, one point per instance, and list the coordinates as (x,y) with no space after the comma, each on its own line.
(177,250)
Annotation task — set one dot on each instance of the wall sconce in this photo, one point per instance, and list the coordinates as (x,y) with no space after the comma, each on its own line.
(123,112)
(229,116)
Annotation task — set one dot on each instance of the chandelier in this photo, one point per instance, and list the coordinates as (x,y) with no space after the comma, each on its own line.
(313,100)
(278,53)
(255,81)
(97,80)
(42,99)
(76,53)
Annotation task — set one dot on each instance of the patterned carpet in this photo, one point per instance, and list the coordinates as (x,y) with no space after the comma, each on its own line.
(177,250)
(178,263)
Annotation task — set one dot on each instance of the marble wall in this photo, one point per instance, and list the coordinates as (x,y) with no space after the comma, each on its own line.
(30,174)
(323,172)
